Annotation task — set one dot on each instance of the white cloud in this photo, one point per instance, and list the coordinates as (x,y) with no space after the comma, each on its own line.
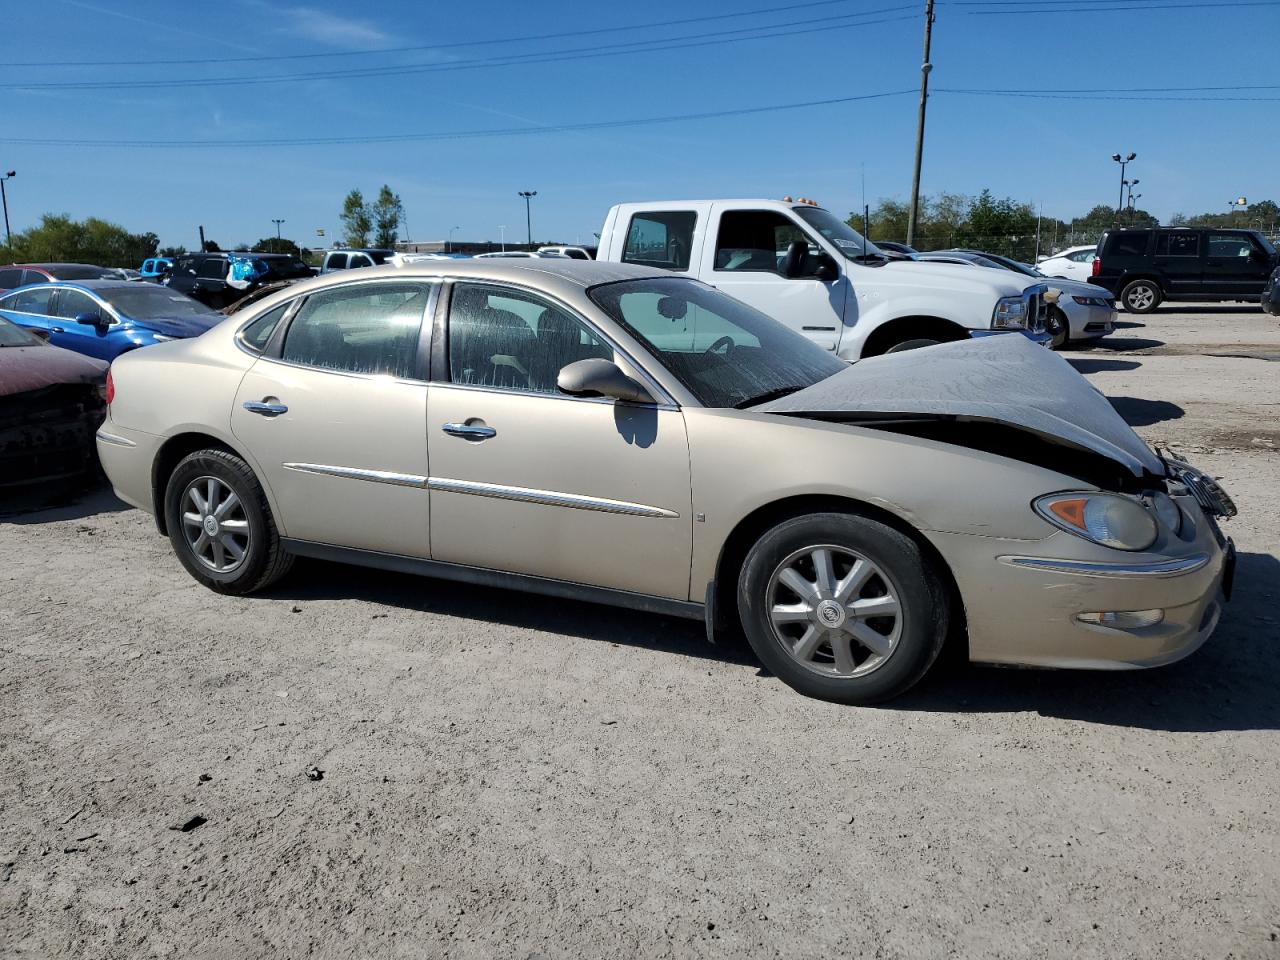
(322,27)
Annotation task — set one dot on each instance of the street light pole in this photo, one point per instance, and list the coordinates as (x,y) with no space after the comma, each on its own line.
(277,223)
(502,237)
(925,69)
(4,198)
(529,195)
(448,244)
(1124,162)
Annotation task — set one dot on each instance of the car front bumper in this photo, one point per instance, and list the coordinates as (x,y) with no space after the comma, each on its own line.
(1022,599)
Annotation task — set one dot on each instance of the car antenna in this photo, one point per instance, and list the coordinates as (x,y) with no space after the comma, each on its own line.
(865,225)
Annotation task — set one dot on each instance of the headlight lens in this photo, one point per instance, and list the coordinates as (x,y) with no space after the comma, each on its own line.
(1092,301)
(162,337)
(1110,519)
(1010,314)
(1167,511)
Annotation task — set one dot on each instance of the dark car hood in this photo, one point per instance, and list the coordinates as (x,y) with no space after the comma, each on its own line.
(181,327)
(32,368)
(1003,379)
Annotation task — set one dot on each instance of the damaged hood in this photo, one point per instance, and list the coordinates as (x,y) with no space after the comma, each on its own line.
(41,365)
(1003,379)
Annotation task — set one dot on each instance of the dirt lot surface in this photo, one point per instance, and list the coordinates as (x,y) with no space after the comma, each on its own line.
(508,776)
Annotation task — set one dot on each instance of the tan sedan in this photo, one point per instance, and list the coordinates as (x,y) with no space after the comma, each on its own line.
(620,435)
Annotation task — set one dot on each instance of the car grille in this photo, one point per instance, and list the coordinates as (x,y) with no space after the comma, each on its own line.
(1033,297)
(1207,491)
(47,434)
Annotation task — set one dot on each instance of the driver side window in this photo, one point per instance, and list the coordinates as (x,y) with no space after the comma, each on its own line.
(756,241)
(69,304)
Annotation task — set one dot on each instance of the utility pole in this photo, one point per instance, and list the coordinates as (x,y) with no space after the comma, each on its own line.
(202,238)
(4,198)
(925,69)
(529,195)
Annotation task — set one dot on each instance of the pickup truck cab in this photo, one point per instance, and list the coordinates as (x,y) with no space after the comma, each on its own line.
(806,267)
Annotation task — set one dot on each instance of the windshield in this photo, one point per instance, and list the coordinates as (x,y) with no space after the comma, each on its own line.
(726,353)
(78,271)
(12,335)
(845,239)
(1267,245)
(153,303)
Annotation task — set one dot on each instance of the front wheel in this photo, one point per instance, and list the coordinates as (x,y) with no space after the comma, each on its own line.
(915,344)
(1058,327)
(842,607)
(1141,296)
(220,524)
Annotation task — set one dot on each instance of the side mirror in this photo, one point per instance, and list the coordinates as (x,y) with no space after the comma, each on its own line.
(793,262)
(600,378)
(90,318)
(826,271)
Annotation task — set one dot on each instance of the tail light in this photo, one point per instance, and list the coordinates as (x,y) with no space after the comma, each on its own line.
(110,390)
(1097,266)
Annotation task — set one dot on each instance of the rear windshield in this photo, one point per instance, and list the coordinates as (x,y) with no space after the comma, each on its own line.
(79,271)
(286,268)
(149,302)
(12,335)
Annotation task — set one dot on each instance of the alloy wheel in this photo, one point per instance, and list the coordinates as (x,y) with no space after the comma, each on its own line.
(834,611)
(1141,297)
(214,524)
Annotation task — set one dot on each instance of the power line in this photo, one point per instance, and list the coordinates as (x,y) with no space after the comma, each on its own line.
(1125,6)
(1080,90)
(554,56)
(424,47)
(451,135)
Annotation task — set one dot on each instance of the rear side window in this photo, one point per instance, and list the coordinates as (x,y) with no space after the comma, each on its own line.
(212,269)
(661,239)
(369,328)
(1178,245)
(1128,244)
(336,261)
(256,334)
(1082,256)
(10,279)
(29,301)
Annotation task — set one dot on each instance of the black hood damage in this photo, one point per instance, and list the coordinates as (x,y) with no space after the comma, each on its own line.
(1001,394)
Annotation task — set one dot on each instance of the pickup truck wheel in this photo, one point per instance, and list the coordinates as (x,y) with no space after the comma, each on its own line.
(912,345)
(1141,296)
(842,607)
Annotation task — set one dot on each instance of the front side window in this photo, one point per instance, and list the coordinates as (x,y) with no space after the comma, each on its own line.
(363,328)
(1178,245)
(757,241)
(661,239)
(35,301)
(256,334)
(1227,245)
(726,353)
(212,269)
(360,260)
(69,304)
(504,338)
(337,261)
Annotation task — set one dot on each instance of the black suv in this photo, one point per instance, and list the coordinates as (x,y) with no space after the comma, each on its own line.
(1145,267)
(218,279)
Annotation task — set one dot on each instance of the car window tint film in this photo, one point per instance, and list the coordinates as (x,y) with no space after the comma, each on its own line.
(363,328)
(503,338)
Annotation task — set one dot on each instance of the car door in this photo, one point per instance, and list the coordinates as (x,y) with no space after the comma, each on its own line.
(1234,265)
(94,341)
(29,307)
(529,480)
(334,411)
(746,264)
(1178,260)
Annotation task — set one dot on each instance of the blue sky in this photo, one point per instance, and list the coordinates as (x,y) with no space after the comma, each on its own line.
(1192,155)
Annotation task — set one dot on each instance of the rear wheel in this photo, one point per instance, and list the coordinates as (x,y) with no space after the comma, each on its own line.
(842,607)
(220,524)
(1141,296)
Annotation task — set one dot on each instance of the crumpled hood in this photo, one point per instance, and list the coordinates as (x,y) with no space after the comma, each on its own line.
(1003,379)
(184,327)
(32,368)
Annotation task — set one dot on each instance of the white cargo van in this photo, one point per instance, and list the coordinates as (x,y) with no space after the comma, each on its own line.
(806,267)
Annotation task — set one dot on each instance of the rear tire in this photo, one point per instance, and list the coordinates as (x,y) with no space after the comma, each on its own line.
(220,524)
(843,608)
(1141,296)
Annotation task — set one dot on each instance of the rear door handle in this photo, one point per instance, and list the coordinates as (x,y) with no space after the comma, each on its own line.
(468,431)
(265,409)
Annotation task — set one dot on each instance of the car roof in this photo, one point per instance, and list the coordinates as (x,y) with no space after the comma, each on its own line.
(52,265)
(94,286)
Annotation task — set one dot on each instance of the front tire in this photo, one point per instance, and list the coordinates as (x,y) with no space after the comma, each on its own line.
(915,344)
(842,607)
(220,524)
(1059,327)
(1141,296)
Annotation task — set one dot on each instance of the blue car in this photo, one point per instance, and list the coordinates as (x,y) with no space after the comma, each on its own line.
(156,269)
(104,318)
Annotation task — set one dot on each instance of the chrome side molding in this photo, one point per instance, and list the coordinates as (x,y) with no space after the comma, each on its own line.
(112,438)
(1088,568)
(550,497)
(356,473)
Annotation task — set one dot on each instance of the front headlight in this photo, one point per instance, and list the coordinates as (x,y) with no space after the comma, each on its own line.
(1110,519)
(1010,314)
(1093,301)
(1167,511)
(162,337)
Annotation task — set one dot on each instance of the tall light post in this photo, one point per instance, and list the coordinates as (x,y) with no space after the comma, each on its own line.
(1124,162)
(926,68)
(1239,203)
(277,222)
(528,221)
(1132,183)
(502,237)
(4,197)
(448,244)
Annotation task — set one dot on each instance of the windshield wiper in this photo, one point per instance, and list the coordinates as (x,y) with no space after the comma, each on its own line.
(777,394)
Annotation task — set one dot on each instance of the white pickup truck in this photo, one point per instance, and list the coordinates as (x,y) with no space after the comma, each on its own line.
(806,267)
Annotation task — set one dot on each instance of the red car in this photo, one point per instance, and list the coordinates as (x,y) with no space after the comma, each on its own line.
(20,274)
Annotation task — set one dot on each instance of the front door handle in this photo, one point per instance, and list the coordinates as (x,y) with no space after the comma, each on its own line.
(469,431)
(264,408)
(56,330)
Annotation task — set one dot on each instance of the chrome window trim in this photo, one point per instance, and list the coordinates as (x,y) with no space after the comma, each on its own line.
(357,473)
(552,498)
(514,392)
(665,400)
(1090,568)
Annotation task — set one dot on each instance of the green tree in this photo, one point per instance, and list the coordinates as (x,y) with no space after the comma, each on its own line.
(355,220)
(386,215)
(276,245)
(171,251)
(58,237)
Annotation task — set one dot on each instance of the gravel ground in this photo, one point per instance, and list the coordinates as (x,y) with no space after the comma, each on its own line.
(509,776)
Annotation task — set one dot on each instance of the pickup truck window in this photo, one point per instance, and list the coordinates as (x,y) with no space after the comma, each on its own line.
(757,240)
(335,261)
(660,239)
(845,239)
